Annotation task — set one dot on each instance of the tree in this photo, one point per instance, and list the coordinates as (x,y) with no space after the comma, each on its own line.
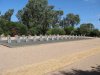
(7,15)
(4,20)
(1,31)
(56,31)
(69,30)
(77,31)
(56,18)
(12,28)
(64,23)
(73,19)
(3,26)
(37,13)
(15,28)
(85,29)
(32,13)
(34,31)
(95,33)
(70,20)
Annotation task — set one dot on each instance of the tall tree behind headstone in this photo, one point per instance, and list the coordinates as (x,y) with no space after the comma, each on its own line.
(57,18)
(70,20)
(7,16)
(37,13)
(5,19)
(73,19)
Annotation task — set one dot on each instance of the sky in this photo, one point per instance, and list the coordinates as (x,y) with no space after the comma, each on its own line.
(89,10)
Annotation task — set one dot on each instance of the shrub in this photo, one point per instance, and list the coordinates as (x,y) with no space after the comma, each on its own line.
(34,31)
(1,31)
(95,33)
(22,29)
(56,31)
(14,28)
(69,30)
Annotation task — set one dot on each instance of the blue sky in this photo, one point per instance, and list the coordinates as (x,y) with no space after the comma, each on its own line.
(89,10)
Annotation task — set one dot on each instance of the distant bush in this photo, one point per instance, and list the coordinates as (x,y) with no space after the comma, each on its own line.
(95,33)
(14,28)
(69,30)
(22,29)
(4,27)
(34,31)
(55,31)
(1,31)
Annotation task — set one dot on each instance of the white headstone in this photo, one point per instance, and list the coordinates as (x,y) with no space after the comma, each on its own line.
(23,37)
(47,38)
(52,37)
(76,36)
(9,39)
(73,37)
(41,38)
(35,38)
(58,37)
(69,37)
(66,37)
(18,39)
(62,37)
(27,39)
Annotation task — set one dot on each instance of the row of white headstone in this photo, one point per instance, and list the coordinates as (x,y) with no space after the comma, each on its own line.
(35,38)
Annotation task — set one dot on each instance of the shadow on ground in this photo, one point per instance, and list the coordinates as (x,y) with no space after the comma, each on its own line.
(93,71)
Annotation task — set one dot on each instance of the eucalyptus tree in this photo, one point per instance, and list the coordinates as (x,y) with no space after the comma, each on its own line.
(70,20)
(86,28)
(95,33)
(7,16)
(64,23)
(37,14)
(73,19)
(56,20)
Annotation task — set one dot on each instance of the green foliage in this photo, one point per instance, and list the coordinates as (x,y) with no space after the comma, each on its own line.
(55,31)
(86,28)
(77,31)
(7,15)
(22,29)
(56,19)
(95,33)
(12,28)
(1,31)
(38,17)
(73,19)
(3,26)
(34,31)
(15,28)
(70,20)
(69,30)
(40,14)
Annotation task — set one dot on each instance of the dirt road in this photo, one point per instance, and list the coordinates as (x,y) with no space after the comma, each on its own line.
(40,59)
